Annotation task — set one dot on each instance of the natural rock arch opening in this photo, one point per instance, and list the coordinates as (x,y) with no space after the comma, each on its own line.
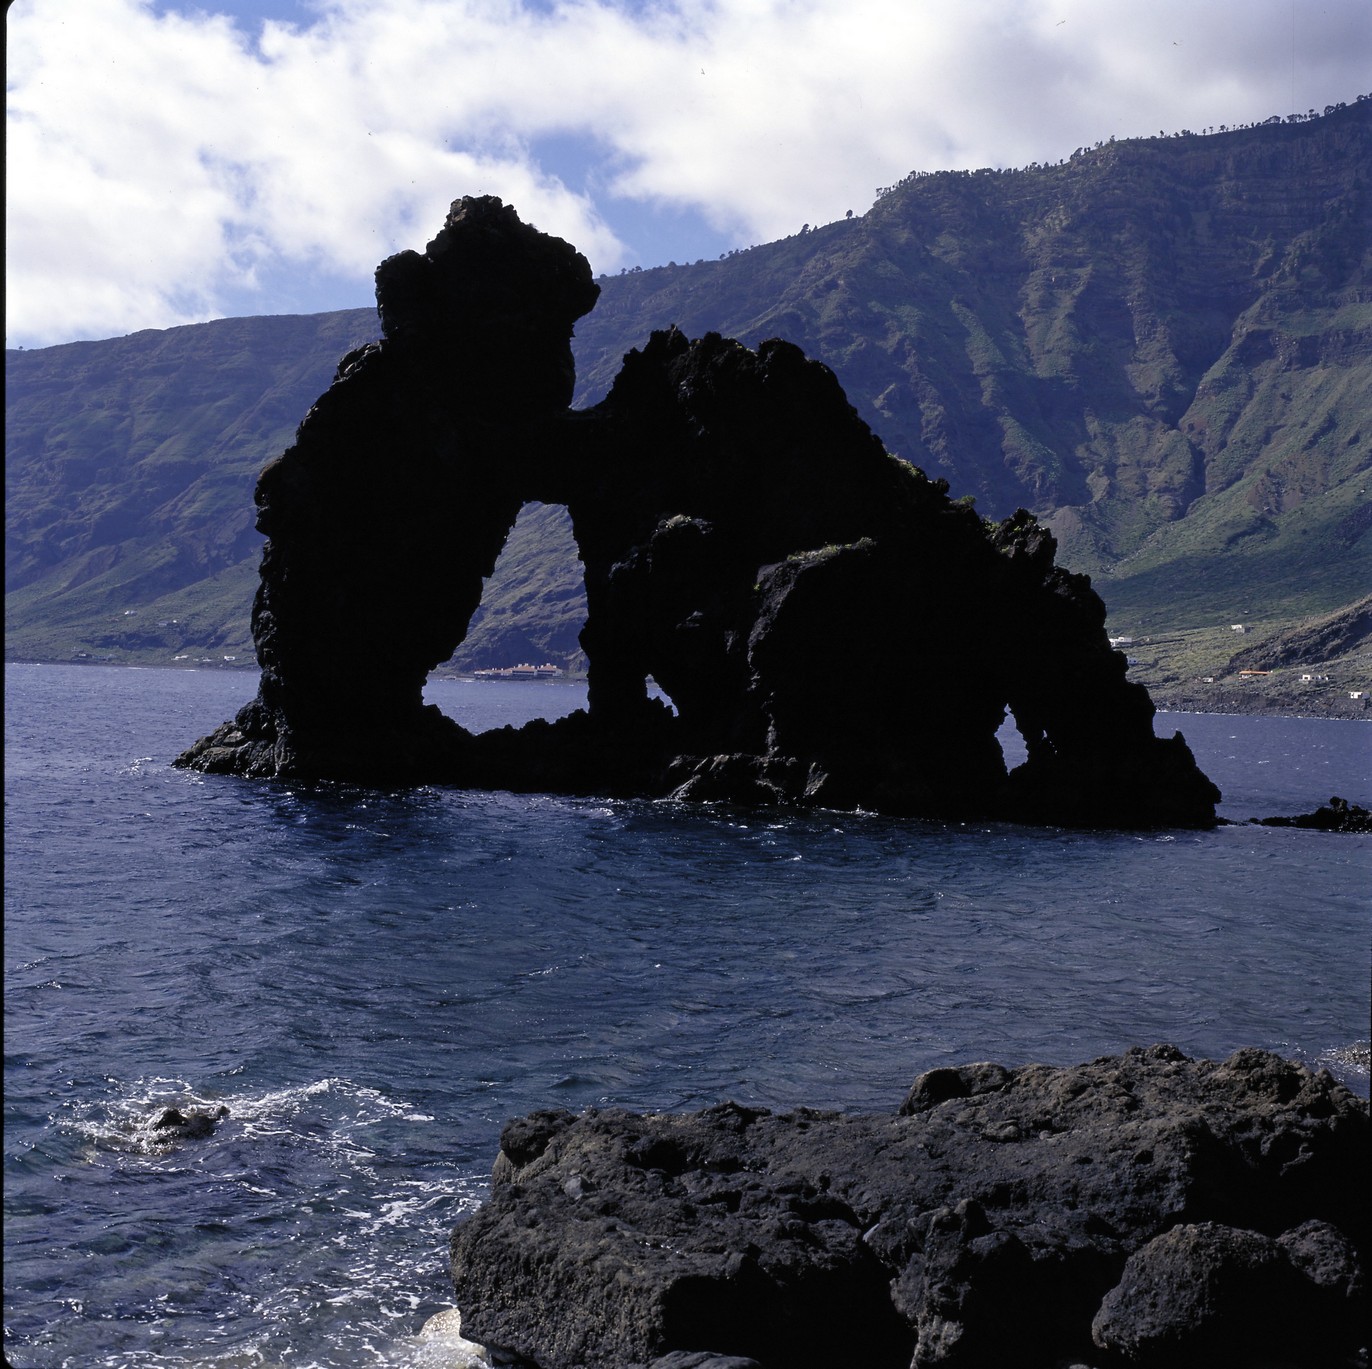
(533,604)
(1012,744)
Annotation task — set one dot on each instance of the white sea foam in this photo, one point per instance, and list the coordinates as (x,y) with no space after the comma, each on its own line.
(441,1345)
(125,1119)
(1351,1062)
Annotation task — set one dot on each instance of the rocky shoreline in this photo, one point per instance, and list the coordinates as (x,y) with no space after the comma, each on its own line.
(1254,704)
(1144,1209)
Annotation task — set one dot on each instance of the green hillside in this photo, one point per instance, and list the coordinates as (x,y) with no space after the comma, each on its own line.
(129,469)
(1152,331)
(1162,346)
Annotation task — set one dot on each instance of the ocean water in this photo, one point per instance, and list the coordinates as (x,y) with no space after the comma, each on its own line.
(372,983)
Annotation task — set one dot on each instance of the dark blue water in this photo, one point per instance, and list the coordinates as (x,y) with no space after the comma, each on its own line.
(372,983)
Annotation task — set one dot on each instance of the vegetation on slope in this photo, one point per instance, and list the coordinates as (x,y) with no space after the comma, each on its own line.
(129,470)
(1163,347)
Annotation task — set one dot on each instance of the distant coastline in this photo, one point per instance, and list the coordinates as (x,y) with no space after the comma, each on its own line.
(1326,704)
(1256,702)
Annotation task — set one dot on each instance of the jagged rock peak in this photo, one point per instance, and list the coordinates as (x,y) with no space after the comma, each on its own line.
(493,287)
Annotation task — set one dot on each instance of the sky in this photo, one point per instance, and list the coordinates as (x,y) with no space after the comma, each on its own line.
(173,162)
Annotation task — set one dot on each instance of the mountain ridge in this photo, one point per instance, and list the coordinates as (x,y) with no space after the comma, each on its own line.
(1161,347)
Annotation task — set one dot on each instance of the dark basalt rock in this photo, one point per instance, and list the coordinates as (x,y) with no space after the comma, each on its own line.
(1145,1209)
(1338,815)
(196,1125)
(1202,1294)
(832,629)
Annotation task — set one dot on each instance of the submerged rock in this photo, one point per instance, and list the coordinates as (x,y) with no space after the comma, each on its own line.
(172,1123)
(832,629)
(1143,1209)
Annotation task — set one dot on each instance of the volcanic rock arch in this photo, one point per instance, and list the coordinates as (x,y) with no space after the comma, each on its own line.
(832,628)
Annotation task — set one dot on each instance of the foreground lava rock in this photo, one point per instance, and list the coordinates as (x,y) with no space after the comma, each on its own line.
(832,629)
(1145,1209)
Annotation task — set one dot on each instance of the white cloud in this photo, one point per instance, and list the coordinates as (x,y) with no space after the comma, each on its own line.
(164,166)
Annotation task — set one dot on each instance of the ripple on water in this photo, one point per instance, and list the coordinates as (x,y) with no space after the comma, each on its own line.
(373,983)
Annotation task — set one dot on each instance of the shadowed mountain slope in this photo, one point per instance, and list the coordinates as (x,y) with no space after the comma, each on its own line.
(1162,347)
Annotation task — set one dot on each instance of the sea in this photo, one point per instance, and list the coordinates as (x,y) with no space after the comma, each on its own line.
(372,983)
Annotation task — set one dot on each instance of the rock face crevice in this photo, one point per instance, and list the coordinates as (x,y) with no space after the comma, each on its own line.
(747,542)
(1143,1209)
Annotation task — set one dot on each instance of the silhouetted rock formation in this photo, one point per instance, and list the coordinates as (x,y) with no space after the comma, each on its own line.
(1338,815)
(1143,1209)
(747,542)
